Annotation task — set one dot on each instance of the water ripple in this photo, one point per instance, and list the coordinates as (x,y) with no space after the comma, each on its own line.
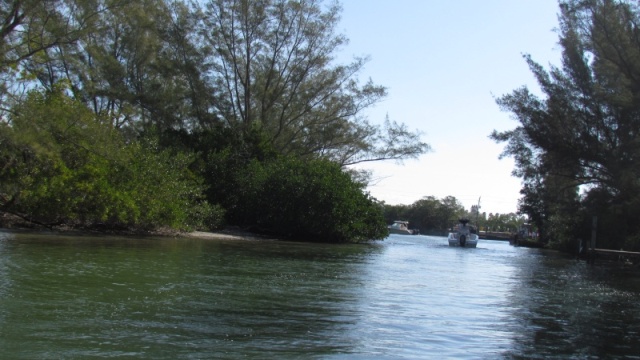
(409,297)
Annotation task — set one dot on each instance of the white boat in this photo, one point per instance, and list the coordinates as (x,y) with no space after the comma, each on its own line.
(463,235)
(401,227)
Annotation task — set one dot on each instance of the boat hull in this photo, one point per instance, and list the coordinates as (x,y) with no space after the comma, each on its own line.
(400,231)
(401,227)
(470,241)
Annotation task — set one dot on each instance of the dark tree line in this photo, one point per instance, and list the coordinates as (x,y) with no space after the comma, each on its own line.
(155,113)
(577,149)
(432,216)
(429,215)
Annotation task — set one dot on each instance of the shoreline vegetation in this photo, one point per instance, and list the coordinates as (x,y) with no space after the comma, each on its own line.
(168,114)
(129,118)
(14,224)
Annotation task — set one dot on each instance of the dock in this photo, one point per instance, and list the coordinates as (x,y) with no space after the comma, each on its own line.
(495,235)
(593,253)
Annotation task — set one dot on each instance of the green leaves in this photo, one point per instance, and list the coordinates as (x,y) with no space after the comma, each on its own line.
(64,165)
(584,132)
(273,69)
(428,214)
(246,80)
(306,200)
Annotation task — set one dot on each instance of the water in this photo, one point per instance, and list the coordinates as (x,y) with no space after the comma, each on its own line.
(409,297)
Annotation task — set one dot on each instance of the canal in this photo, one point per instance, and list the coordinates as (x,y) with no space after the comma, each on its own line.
(408,297)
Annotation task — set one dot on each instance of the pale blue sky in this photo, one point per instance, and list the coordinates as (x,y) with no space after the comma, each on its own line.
(444,62)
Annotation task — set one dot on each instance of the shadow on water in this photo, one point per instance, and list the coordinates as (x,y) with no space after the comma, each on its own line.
(406,297)
(562,308)
(75,297)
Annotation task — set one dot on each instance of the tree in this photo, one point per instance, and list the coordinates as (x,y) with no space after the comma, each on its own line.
(139,65)
(585,133)
(31,26)
(29,29)
(395,212)
(429,214)
(306,200)
(274,70)
(61,164)
(504,222)
(235,81)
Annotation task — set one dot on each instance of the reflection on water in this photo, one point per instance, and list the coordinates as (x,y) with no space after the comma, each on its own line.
(407,297)
(575,310)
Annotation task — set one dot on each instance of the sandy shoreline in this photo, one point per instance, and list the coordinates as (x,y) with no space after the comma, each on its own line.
(204,235)
(11,223)
(224,235)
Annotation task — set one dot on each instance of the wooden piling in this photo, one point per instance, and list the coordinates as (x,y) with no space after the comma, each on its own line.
(591,257)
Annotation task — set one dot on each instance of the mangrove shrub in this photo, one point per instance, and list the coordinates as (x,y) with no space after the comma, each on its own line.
(61,164)
(306,200)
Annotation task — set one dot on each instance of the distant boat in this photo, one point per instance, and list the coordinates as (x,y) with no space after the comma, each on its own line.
(463,235)
(401,227)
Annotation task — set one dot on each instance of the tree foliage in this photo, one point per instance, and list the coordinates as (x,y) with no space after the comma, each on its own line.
(501,222)
(63,165)
(30,27)
(267,66)
(311,200)
(221,84)
(273,69)
(585,132)
(429,214)
(135,62)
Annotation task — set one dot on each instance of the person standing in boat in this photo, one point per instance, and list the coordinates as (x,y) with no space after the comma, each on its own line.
(463,229)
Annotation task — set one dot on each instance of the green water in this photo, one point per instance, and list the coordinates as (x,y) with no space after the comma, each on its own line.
(408,297)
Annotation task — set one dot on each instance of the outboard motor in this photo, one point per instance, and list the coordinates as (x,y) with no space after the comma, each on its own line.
(464,232)
(463,240)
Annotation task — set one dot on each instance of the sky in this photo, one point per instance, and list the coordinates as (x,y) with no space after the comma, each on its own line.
(444,64)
